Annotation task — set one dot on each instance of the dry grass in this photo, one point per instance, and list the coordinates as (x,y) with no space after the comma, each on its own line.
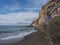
(52,29)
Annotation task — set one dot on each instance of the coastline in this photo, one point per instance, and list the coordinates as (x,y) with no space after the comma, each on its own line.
(36,38)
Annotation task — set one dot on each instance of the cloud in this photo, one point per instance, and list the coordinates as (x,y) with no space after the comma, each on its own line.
(20,5)
(40,3)
(20,13)
(36,5)
(18,18)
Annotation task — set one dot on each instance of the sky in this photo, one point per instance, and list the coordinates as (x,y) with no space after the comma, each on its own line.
(19,12)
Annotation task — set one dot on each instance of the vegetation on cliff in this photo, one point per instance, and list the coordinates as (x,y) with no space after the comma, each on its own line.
(50,27)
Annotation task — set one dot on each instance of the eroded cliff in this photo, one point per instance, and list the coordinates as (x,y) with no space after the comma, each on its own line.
(49,21)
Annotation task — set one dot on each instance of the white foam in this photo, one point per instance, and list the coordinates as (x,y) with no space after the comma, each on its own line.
(20,35)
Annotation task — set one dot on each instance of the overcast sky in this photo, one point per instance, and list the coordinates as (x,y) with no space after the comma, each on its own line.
(14,12)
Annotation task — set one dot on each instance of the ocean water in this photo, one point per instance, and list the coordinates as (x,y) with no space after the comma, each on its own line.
(14,34)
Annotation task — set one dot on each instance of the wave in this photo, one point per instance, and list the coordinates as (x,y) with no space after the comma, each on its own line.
(14,34)
(19,35)
(6,32)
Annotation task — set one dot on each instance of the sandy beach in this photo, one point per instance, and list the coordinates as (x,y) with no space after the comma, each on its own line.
(36,38)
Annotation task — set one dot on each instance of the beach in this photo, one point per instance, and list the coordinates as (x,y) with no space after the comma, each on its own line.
(36,38)
(13,34)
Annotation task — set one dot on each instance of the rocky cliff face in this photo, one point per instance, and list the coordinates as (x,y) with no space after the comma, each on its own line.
(50,27)
(49,10)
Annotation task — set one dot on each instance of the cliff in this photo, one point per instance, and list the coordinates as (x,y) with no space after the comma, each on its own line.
(48,21)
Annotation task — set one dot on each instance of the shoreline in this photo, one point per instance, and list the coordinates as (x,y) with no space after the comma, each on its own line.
(36,38)
(12,40)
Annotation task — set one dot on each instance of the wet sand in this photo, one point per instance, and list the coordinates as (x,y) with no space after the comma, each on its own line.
(36,38)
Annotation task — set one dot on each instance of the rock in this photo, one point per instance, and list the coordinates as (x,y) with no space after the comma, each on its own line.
(50,27)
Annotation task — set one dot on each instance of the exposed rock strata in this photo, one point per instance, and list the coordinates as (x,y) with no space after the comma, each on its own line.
(51,27)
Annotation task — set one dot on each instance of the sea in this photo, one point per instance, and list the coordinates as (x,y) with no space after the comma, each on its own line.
(14,34)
